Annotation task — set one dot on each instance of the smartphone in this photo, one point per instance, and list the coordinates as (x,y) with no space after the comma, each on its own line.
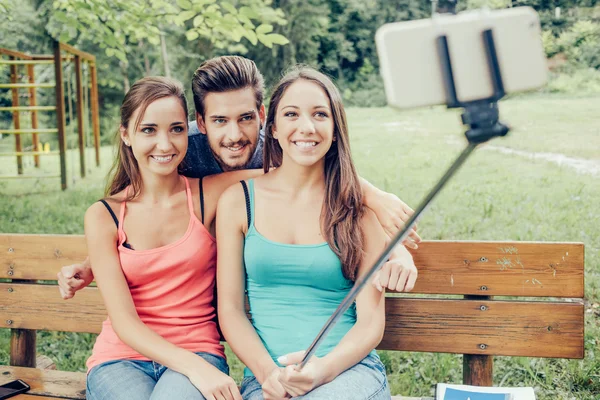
(13,388)
(410,64)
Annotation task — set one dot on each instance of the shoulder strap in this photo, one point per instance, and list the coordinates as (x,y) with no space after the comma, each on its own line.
(248,211)
(112,214)
(201,199)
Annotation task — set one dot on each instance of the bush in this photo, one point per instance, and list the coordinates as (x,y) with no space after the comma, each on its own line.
(579,81)
(581,44)
(367,91)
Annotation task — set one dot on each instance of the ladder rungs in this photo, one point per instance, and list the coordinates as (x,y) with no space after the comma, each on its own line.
(29,108)
(28,176)
(30,153)
(25,62)
(20,131)
(26,85)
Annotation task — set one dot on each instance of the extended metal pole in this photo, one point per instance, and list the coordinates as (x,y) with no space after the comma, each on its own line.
(361,282)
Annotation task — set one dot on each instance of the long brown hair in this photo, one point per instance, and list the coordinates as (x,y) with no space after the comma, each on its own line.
(342,207)
(125,170)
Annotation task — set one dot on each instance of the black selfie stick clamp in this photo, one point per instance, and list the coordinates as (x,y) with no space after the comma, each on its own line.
(481,116)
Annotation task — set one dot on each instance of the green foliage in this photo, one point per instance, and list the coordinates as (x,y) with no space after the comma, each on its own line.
(581,44)
(582,81)
(115,24)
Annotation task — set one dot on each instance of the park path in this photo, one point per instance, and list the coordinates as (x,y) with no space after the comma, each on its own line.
(580,165)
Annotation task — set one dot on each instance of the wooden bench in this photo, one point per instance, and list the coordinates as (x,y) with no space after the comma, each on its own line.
(475,325)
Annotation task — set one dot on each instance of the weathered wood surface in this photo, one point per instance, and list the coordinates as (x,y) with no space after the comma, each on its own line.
(500,268)
(39,256)
(59,384)
(508,328)
(22,347)
(475,268)
(30,306)
(478,370)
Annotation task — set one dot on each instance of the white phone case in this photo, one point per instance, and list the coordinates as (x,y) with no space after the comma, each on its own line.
(410,65)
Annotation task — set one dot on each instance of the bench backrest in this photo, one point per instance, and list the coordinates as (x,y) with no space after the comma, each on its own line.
(474,324)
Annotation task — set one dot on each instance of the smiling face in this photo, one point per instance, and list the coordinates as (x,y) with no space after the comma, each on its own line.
(159,142)
(232,124)
(304,124)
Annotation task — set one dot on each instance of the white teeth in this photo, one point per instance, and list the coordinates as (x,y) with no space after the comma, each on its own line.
(305,144)
(163,158)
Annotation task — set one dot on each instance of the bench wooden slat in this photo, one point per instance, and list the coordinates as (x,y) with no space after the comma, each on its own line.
(31,306)
(500,268)
(445,267)
(39,256)
(61,384)
(432,325)
(506,328)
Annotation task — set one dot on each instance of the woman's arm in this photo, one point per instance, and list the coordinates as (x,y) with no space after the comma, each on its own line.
(364,336)
(391,212)
(231,284)
(101,237)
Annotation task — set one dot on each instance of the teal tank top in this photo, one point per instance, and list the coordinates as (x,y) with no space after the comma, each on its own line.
(292,291)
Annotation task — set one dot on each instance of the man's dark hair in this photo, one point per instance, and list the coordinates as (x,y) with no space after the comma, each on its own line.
(224,74)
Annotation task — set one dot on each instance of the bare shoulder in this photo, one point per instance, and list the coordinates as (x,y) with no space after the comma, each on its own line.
(233,197)
(99,219)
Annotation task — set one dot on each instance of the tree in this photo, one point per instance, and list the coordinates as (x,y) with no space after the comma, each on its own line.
(116,24)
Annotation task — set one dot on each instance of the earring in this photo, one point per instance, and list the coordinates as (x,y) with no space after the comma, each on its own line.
(126,143)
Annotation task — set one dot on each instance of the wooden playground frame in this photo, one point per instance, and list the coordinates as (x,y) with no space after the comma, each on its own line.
(79,58)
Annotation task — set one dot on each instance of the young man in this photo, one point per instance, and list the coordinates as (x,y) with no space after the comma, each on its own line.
(227,135)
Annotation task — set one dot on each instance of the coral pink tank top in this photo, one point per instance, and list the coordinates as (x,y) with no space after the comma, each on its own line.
(172,288)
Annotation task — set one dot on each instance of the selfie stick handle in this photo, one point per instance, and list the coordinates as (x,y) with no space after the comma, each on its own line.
(482,118)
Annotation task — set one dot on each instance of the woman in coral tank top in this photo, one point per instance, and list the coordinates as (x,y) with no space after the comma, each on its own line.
(153,254)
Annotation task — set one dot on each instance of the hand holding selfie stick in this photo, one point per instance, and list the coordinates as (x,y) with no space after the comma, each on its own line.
(482,118)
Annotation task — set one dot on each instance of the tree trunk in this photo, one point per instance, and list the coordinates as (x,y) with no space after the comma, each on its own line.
(165,56)
(126,84)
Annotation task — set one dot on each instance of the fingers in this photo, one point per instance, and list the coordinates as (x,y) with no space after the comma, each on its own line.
(68,287)
(414,235)
(292,358)
(401,283)
(394,274)
(235,392)
(412,279)
(69,271)
(384,275)
(376,281)
(397,277)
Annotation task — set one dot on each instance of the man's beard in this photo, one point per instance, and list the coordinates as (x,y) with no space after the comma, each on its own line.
(227,167)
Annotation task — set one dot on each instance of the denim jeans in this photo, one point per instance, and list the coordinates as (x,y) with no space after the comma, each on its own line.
(144,380)
(365,381)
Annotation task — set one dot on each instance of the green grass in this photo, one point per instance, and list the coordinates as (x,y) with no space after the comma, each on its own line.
(495,196)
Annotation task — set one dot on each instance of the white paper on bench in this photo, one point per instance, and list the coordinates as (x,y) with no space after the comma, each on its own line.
(519,393)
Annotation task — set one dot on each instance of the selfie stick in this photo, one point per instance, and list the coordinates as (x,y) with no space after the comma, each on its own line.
(481,116)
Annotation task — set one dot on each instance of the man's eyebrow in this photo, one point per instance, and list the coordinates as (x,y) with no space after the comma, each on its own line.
(251,112)
(217,116)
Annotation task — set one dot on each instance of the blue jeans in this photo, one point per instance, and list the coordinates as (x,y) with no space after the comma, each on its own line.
(144,380)
(365,381)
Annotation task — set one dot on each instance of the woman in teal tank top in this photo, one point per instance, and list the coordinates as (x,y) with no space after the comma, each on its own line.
(296,239)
